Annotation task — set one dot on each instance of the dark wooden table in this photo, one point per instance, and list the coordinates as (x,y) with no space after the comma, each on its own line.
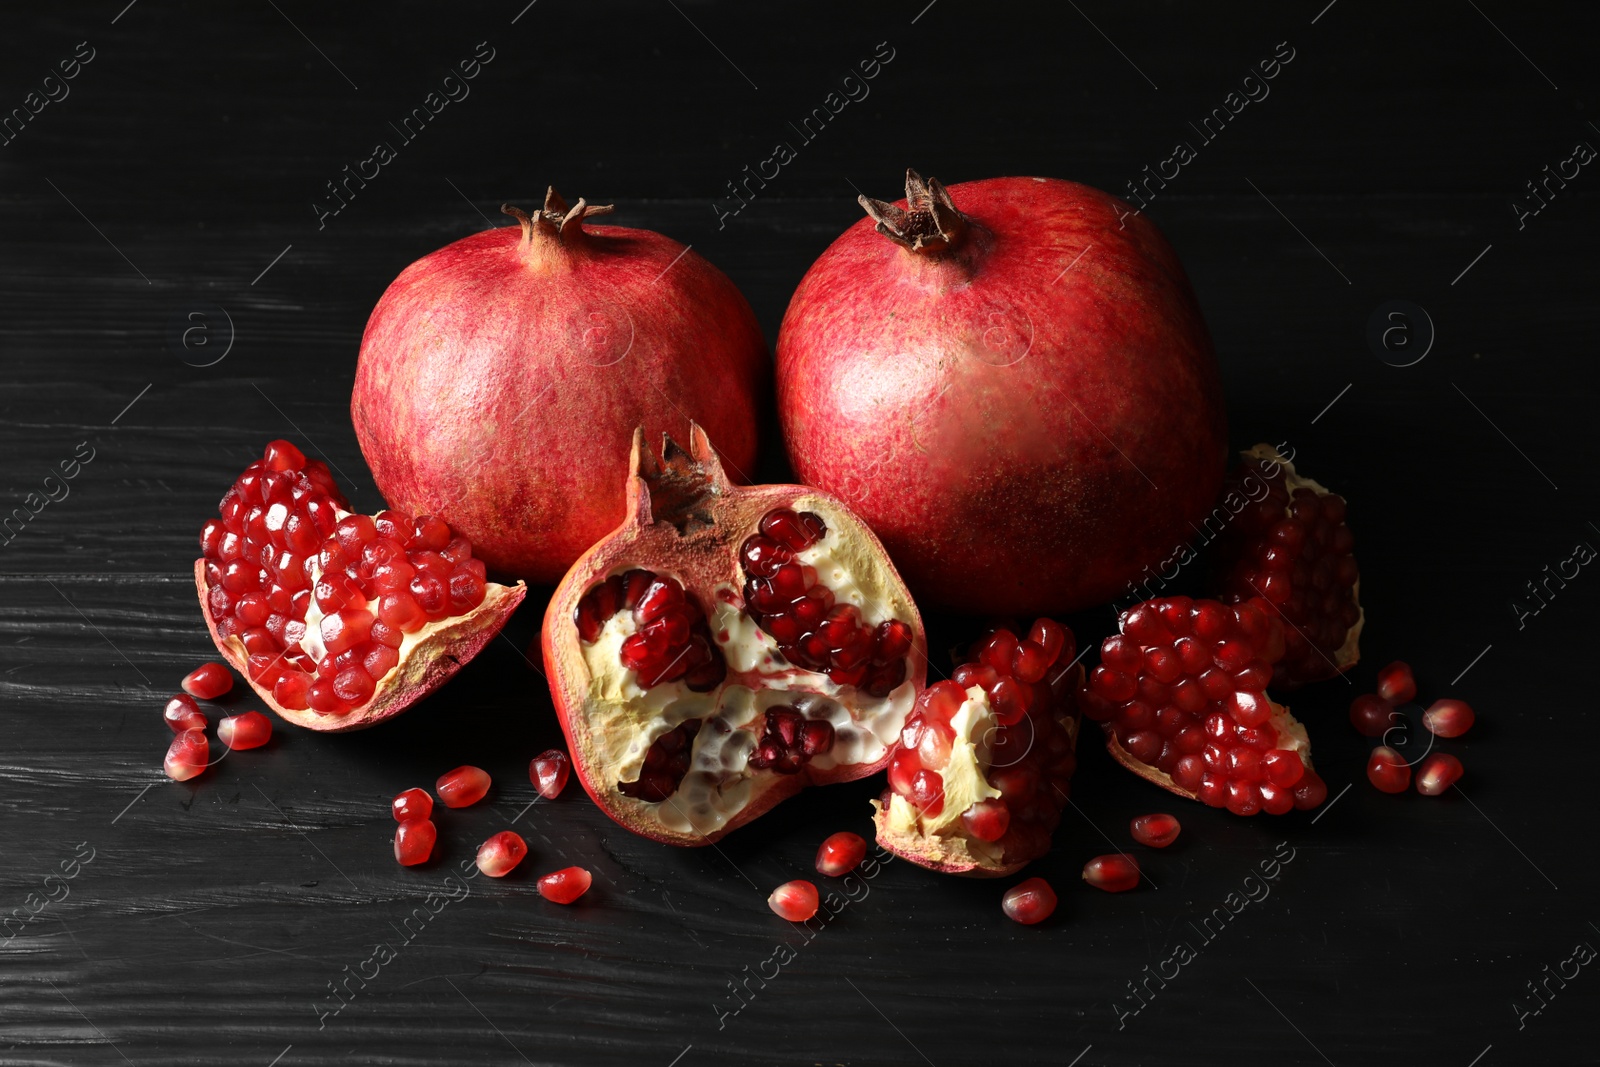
(172,300)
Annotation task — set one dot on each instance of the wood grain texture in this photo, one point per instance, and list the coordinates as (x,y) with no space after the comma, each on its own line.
(178,177)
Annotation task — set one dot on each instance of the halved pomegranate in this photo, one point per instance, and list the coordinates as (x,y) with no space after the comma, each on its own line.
(1292,549)
(338,621)
(985,760)
(1182,695)
(725,647)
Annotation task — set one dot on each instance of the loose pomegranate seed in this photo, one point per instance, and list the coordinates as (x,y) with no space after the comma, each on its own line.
(240,732)
(840,854)
(413,841)
(208,681)
(548,771)
(502,852)
(1438,772)
(1371,715)
(187,756)
(1029,902)
(1395,683)
(412,805)
(665,763)
(182,713)
(566,885)
(1449,718)
(795,901)
(1157,831)
(1115,873)
(1388,770)
(462,787)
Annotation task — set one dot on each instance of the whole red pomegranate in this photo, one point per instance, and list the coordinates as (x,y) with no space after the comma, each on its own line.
(501,379)
(1019,395)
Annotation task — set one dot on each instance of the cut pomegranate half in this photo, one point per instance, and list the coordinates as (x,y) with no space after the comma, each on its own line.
(985,760)
(725,647)
(1291,547)
(338,621)
(1182,695)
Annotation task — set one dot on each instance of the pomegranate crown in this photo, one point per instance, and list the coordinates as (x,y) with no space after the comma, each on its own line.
(679,486)
(555,219)
(929,222)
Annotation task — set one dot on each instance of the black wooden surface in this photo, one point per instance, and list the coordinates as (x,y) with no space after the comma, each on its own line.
(177,178)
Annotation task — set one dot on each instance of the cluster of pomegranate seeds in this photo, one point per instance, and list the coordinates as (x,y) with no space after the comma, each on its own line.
(240,732)
(671,643)
(1448,717)
(1031,758)
(796,901)
(840,854)
(548,771)
(208,681)
(281,544)
(1156,831)
(499,855)
(1029,902)
(1293,550)
(798,612)
(1396,684)
(411,805)
(788,739)
(1438,772)
(182,713)
(1388,770)
(1117,872)
(566,885)
(665,764)
(1371,715)
(188,755)
(1184,689)
(413,841)
(462,787)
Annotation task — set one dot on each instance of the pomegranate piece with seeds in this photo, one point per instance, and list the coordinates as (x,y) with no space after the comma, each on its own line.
(1449,718)
(462,787)
(1029,902)
(1117,872)
(1438,772)
(182,713)
(208,681)
(411,805)
(499,855)
(1388,770)
(187,756)
(795,901)
(985,759)
(1181,694)
(548,771)
(566,885)
(840,854)
(1288,544)
(338,621)
(1371,715)
(240,732)
(1157,831)
(413,841)
(1396,684)
(726,647)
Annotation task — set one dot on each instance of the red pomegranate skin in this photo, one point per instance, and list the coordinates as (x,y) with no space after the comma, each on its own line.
(500,383)
(1028,418)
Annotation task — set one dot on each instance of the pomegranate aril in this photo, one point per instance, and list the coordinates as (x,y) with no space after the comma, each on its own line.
(182,713)
(548,771)
(283,456)
(1449,717)
(1029,902)
(1388,770)
(413,841)
(1115,873)
(187,756)
(1310,791)
(1156,831)
(208,681)
(353,686)
(499,855)
(987,820)
(796,901)
(566,885)
(321,697)
(786,528)
(840,854)
(1438,773)
(249,730)
(411,805)
(1371,715)
(1396,684)
(462,787)
(927,793)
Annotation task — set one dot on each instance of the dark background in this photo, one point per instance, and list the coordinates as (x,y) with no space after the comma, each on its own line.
(214,914)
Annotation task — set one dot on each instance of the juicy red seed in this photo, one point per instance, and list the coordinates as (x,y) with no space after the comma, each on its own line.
(1449,717)
(499,855)
(1388,770)
(790,530)
(1371,715)
(462,787)
(187,756)
(1396,684)
(548,771)
(788,740)
(1438,773)
(283,456)
(411,805)
(353,686)
(1055,639)
(321,697)
(1283,767)
(249,730)
(1117,872)
(208,681)
(796,901)
(566,885)
(1029,902)
(927,792)
(987,820)
(840,854)
(1310,791)
(665,763)
(182,713)
(1157,831)
(413,841)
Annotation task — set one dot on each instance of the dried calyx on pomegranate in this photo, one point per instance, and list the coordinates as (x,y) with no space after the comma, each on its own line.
(1182,695)
(985,760)
(1290,546)
(338,621)
(725,647)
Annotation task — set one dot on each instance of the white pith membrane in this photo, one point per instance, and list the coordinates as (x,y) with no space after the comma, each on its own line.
(626,719)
